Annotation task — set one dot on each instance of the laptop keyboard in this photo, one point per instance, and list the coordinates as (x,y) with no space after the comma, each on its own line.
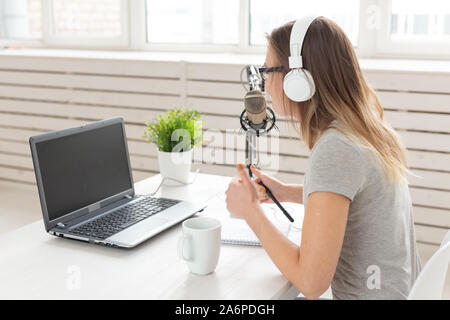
(126,216)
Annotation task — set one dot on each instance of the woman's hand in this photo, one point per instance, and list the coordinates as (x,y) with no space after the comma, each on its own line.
(279,190)
(242,196)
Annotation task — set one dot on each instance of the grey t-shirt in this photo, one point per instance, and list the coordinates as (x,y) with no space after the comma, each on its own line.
(379,258)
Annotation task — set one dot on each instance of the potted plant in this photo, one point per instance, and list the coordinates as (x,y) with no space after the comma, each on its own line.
(175,134)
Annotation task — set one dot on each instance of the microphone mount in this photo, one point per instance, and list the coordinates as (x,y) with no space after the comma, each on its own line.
(258,129)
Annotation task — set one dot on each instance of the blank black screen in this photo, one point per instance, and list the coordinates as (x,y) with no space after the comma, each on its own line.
(80,169)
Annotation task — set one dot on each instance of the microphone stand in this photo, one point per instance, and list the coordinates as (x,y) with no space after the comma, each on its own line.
(252,134)
(251,150)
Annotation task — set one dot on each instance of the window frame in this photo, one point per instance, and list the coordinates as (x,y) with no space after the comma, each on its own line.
(373,40)
(13,43)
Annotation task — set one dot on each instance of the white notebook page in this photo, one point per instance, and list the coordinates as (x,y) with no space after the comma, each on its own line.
(236,231)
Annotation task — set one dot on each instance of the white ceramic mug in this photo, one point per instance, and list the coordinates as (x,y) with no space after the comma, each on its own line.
(199,244)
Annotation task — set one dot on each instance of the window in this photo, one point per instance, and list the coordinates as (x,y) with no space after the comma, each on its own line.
(86,23)
(20,19)
(377,28)
(87,18)
(265,16)
(193,21)
(414,20)
(416,27)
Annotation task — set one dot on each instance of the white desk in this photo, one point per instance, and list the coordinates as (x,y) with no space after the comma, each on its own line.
(35,265)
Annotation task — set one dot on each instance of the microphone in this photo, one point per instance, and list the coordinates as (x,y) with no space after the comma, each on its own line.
(256,117)
(254,100)
(255,105)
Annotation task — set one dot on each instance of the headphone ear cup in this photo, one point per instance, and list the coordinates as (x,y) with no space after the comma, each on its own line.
(298,85)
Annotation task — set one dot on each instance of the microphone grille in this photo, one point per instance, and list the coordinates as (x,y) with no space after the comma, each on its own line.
(255,105)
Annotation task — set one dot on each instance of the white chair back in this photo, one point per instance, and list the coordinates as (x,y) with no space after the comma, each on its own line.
(430,282)
(446,239)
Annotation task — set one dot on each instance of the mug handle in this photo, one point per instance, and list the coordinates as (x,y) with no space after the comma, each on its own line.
(181,242)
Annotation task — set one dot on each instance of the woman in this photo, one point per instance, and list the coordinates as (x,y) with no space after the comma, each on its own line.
(358,230)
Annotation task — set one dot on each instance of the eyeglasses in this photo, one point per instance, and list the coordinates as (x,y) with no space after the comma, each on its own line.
(264,71)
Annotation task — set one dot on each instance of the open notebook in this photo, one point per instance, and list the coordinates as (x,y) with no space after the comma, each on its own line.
(236,231)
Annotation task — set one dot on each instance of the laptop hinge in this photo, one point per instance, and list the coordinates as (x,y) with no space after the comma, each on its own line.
(98,205)
(94,207)
(91,209)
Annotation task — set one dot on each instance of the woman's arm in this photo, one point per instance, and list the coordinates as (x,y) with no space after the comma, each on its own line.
(311,267)
(294,193)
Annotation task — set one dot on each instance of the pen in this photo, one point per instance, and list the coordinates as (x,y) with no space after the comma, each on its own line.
(270,194)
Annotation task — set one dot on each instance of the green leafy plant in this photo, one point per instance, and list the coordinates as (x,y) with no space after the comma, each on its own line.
(177,130)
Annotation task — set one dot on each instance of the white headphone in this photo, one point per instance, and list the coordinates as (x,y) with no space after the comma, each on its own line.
(298,84)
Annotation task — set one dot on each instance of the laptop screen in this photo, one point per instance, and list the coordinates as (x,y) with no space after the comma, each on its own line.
(83,168)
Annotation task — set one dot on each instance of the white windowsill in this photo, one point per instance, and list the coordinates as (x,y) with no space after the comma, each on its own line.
(388,65)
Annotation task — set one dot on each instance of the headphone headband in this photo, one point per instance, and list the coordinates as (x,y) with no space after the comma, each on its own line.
(298,34)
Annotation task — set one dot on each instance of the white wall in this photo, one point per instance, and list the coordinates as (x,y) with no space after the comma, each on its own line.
(41,94)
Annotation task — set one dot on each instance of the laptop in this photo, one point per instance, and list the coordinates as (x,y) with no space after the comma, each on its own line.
(86,188)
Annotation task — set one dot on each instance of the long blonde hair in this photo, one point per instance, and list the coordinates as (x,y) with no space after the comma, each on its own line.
(342,94)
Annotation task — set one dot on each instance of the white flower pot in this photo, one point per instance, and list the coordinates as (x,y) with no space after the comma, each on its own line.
(175,165)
